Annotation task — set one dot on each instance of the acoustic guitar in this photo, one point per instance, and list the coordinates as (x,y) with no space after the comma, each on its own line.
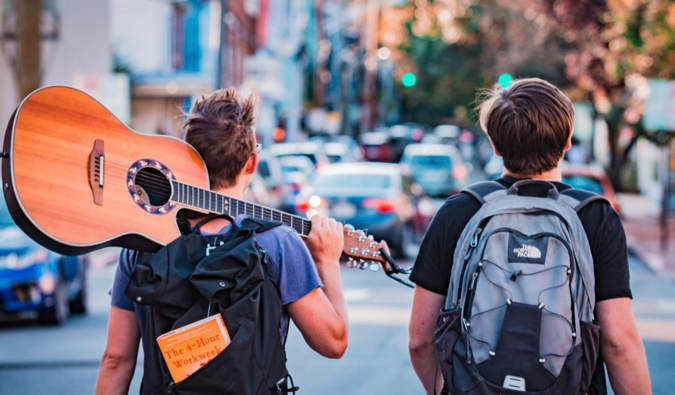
(77,179)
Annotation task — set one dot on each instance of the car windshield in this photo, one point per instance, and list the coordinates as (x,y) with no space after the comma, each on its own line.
(581,182)
(356,181)
(311,157)
(439,161)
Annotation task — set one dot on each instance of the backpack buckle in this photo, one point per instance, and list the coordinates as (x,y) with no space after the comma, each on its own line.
(210,247)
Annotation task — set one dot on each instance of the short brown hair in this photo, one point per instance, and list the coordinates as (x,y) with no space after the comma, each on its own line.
(220,128)
(529,124)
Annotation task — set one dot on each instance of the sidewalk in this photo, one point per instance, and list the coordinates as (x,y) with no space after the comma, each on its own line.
(641,221)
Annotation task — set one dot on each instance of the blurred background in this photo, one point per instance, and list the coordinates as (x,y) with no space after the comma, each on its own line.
(366,114)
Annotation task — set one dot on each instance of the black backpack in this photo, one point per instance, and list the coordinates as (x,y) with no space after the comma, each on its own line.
(196,276)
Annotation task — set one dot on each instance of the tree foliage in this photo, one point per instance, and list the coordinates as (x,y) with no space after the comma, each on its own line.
(601,51)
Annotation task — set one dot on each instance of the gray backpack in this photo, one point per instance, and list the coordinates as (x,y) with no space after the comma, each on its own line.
(519,312)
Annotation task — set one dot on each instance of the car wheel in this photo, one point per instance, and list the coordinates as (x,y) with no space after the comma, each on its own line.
(405,245)
(78,305)
(57,313)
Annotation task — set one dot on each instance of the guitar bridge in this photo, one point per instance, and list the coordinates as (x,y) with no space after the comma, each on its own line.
(96,171)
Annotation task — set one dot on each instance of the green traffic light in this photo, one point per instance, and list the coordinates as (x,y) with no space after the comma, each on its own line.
(408,80)
(505,80)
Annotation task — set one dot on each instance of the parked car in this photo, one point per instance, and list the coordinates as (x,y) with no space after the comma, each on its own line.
(339,152)
(447,134)
(296,171)
(591,178)
(310,149)
(35,279)
(437,168)
(400,136)
(269,169)
(335,152)
(376,146)
(373,196)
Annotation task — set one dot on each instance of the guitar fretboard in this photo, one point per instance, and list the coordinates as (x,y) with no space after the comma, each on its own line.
(216,203)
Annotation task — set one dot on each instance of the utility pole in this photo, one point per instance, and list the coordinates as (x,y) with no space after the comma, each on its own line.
(28,70)
(371,43)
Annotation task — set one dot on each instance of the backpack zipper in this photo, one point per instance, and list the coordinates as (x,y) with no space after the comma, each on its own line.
(472,247)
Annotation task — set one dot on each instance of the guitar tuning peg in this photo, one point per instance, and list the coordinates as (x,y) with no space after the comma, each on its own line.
(374,266)
(361,232)
(351,263)
(349,228)
(370,237)
(363,265)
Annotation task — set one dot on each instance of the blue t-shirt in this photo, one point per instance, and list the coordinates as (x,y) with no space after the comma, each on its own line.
(297,275)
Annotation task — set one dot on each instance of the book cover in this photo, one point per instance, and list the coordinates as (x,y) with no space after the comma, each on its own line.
(190,347)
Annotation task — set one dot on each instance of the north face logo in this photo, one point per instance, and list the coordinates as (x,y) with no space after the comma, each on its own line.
(527,251)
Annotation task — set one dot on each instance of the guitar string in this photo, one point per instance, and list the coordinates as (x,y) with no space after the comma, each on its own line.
(153,180)
(160,182)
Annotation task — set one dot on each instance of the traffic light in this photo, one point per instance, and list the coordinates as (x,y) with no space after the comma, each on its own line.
(505,80)
(408,80)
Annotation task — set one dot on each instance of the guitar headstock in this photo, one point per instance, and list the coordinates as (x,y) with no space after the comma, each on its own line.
(361,250)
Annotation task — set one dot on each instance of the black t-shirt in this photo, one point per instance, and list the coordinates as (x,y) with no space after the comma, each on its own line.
(602,224)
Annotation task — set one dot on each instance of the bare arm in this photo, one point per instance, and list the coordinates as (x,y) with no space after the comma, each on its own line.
(119,358)
(321,315)
(426,308)
(621,347)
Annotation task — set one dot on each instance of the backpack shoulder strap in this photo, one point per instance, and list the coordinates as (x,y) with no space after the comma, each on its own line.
(579,198)
(485,191)
(258,225)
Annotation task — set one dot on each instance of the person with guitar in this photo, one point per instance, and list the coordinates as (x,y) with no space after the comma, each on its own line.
(220,128)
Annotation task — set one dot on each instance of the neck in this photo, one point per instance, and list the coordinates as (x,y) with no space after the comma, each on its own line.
(236,192)
(551,175)
(230,201)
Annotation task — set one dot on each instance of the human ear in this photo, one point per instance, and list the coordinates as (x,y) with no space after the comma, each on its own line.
(251,164)
(568,144)
(493,147)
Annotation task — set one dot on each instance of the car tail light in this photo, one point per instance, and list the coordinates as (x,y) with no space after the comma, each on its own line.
(459,172)
(312,202)
(381,205)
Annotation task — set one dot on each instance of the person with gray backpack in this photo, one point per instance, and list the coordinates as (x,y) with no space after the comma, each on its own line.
(523,282)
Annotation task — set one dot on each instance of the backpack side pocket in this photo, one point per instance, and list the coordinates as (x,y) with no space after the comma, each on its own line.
(446,334)
(590,343)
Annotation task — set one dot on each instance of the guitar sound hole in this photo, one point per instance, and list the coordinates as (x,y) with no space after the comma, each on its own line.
(153,187)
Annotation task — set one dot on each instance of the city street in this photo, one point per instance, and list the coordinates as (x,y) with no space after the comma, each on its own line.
(64,360)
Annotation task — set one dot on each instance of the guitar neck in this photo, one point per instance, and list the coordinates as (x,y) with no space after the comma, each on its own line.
(204,199)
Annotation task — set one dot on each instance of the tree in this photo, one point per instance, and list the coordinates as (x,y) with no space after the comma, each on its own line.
(615,46)
(459,47)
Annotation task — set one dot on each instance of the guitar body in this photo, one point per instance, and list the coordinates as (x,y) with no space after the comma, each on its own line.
(71,175)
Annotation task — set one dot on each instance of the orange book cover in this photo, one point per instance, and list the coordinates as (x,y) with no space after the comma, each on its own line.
(190,347)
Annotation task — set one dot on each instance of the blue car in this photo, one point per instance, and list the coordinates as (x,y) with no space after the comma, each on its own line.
(369,195)
(33,278)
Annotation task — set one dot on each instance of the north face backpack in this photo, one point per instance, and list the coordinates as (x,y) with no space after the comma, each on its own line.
(519,311)
(196,276)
